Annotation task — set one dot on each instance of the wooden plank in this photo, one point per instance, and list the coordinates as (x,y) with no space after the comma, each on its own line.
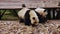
(16,4)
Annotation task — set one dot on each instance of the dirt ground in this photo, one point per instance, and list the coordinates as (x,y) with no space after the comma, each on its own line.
(14,27)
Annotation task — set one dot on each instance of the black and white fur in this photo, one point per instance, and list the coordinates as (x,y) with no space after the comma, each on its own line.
(30,17)
(41,13)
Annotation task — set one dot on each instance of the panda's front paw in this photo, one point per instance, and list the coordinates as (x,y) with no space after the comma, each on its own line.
(21,20)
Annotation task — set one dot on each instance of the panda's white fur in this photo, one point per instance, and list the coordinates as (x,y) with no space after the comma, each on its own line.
(44,14)
(22,12)
(33,17)
(39,10)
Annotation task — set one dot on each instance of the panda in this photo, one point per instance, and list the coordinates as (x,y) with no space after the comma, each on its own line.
(29,17)
(41,13)
(32,17)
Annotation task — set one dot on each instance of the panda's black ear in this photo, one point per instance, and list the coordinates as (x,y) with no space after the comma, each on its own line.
(23,5)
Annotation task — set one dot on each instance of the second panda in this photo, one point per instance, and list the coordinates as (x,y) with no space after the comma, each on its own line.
(41,15)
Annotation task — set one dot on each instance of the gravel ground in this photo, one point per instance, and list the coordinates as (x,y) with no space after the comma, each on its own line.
(14,27)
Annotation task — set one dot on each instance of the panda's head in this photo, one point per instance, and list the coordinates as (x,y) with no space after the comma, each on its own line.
(41,11)
(33,17)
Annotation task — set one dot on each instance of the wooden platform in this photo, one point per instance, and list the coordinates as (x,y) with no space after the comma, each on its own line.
(16,4)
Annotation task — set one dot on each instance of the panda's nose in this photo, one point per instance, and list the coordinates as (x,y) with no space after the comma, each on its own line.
(33,18)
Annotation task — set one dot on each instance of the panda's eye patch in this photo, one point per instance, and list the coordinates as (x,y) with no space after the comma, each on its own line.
(44,10)
(33,18)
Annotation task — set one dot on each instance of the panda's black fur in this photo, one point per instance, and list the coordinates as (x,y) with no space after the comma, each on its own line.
(27,18)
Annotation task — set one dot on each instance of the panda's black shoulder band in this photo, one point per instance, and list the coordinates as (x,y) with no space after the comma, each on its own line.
(27,18)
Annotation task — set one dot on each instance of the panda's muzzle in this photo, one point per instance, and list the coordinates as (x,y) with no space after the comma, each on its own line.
(34,20)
